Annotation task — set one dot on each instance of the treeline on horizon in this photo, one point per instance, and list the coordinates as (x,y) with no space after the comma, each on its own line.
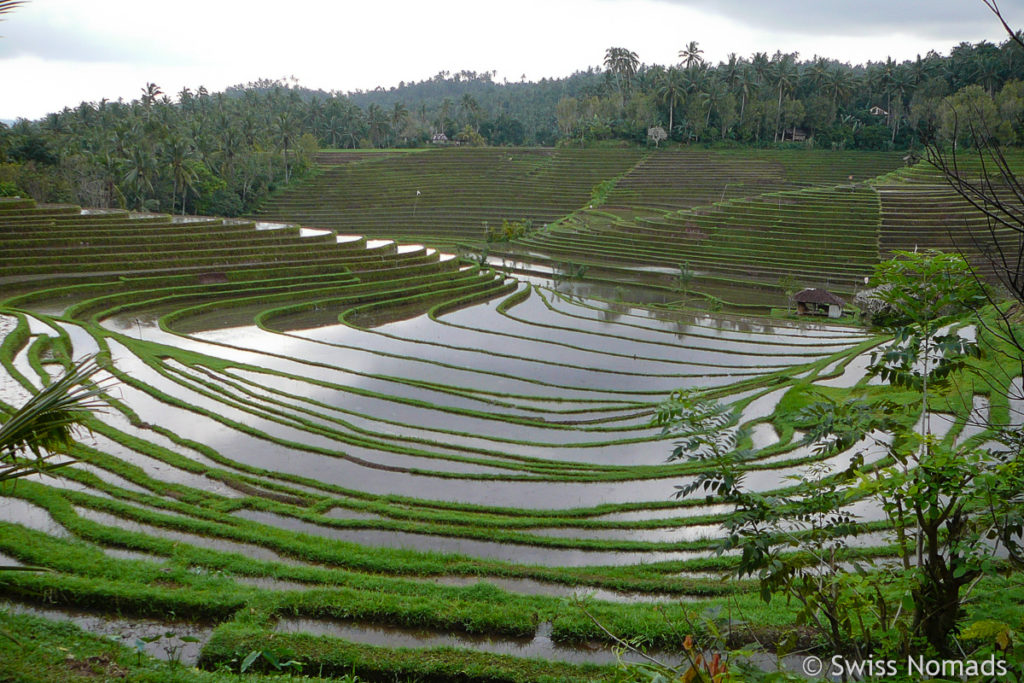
(220,153)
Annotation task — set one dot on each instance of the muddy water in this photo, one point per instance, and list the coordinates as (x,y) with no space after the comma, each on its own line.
(169,645)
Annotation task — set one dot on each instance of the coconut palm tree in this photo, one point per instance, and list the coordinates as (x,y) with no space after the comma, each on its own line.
(761,65)
(378,121)
(671,90)
(841,81)
(44,427)
(747,86)
(691,54)
(399,117)
(785,74)
(470,110)
(623,63)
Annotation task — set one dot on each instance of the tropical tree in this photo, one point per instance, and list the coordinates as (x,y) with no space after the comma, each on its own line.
(670,91)
(471,111)
(840,82)
(398,118)
(178,152)
(286,129)
(623,64)
(747,85)
(443,118)
(952,508)
(691,54)
(784,73)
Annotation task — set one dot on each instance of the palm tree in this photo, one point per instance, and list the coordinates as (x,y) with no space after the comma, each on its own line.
(45,425)
(711,95)
(671,91)
(285,128)
(841,81)
(442,121)
(623,63)
(747,86)
(785,75)
(691,54)
(178,150)
(399,117)
(471,110)
(142,166)
(761,65)
(377,120)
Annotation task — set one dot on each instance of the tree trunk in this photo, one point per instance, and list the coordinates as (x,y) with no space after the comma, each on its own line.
(778,114)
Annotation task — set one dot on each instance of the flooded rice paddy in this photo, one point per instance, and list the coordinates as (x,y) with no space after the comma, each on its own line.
(509,436)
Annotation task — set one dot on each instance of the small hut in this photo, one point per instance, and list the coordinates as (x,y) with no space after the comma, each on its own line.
(818,302)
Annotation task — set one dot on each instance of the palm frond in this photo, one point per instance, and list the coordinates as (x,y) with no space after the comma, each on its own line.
(45,425)
(8,5)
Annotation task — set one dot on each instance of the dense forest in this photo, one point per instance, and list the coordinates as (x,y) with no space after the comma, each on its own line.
(220,153)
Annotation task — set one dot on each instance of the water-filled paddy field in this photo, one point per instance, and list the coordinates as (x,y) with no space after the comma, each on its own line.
(390,446)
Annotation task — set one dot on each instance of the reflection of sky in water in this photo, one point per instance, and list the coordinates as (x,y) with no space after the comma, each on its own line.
(257,452)
(465,364)
(508,552)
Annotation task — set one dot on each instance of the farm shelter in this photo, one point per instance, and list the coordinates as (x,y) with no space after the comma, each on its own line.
(818,302)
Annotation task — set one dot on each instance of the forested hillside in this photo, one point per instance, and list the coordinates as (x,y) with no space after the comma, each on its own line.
(220,153)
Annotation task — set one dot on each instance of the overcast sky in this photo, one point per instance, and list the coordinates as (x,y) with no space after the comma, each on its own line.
(57,53)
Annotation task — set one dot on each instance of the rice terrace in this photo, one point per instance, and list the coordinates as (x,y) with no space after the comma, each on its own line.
(585,409)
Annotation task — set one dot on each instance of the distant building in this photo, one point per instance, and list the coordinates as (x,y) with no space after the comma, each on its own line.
(818,302)
(878,111)
(439,139)
(794,134)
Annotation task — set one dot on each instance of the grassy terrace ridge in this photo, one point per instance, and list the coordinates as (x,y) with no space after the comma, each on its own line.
(757,239)
(920,210)
(683,179)
(444,196)
(389,444)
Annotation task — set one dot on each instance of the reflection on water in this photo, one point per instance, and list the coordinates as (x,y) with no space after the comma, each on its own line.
(539,647)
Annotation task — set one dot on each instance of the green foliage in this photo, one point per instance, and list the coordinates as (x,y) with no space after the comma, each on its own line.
(508,230)
(950,507)
(923,287)
(45,425)
(683,279)
(271,659)
(9,189)
(599,195)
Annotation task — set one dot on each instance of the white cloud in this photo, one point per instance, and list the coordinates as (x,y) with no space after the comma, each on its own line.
(60,52)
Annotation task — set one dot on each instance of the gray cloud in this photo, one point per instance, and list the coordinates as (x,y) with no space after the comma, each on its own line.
(953,20)
(31,35)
